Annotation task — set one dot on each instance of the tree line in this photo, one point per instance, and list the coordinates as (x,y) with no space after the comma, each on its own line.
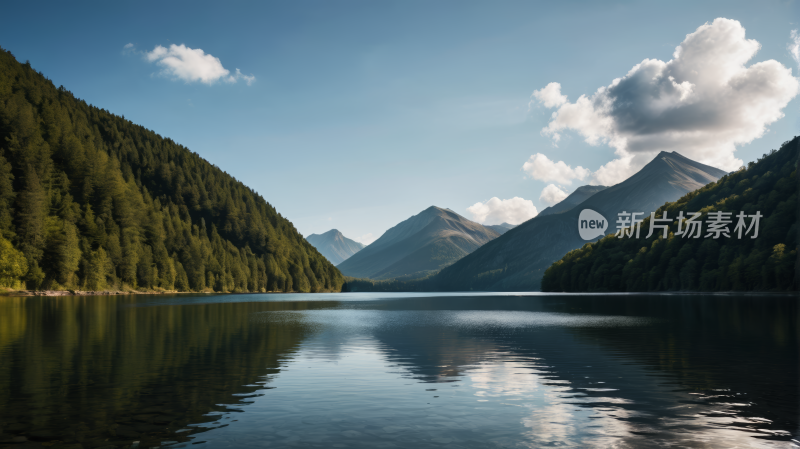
(766,263)
(91,201)
(353,285)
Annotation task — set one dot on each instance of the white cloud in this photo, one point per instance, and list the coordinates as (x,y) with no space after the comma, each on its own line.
(496,211)
(794,46)
(552,194)
(702,103)
(550,96)
(541,168)
(191,65)
(366,239)
(247,78)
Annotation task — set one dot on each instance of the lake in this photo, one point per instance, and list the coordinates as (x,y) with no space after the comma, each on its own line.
(395,370)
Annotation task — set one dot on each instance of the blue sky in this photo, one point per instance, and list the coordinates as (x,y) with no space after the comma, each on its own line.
(362,114)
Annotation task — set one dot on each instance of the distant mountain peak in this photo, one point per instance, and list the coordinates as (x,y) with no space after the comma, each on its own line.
(436,210)
(678,170)
(334,245)
(331,232)
(425,242)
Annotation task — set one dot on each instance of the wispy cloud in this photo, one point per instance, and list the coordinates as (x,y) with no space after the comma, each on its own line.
(180,62)
(794,47)
(702,103)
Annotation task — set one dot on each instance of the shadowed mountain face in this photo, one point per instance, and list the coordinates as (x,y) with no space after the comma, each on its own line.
(429,241)
(517,260)
(501,228)
(334,246)
(766,263)
(577,197)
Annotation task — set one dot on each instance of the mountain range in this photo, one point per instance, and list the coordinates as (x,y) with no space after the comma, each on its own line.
(334,246)
(767,262)
(517,260)
(418,246)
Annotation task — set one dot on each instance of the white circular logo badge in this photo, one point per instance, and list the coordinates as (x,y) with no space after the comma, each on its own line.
(591,224)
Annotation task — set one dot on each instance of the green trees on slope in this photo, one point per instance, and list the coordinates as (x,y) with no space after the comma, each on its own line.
(766,263)
(91,201)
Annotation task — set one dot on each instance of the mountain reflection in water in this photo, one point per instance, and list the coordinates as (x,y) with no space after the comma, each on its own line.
(400,370)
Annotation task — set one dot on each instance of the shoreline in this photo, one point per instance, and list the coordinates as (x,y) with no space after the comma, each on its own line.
(53,293)
(58,293)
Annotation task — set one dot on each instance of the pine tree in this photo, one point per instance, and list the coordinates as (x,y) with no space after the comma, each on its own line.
(6,198)
(32,212)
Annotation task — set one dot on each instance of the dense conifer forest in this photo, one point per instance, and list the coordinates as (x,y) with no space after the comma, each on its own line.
(765,263)
(91,201)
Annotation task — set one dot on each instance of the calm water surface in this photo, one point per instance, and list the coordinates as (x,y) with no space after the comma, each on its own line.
(400,370)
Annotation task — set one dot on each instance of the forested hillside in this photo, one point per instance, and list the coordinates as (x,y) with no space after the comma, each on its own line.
(765,263)
(91,201)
